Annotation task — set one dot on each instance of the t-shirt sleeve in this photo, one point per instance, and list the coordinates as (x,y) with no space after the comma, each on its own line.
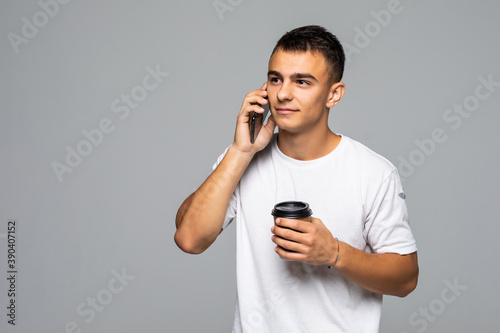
(387,227)
(231,207)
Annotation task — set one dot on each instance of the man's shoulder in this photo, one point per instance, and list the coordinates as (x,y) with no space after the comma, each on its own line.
(365,156)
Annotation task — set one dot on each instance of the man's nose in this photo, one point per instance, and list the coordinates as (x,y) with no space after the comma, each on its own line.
(285,92)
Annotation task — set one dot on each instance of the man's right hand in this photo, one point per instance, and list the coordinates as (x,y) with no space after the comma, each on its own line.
(252,103)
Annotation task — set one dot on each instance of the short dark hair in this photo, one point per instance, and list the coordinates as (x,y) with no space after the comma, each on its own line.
(315,38)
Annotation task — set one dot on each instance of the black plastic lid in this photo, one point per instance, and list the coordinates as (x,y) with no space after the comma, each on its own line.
(292,210)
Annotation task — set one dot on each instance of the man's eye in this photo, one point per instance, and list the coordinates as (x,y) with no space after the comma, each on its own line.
(302,82)
(274,79)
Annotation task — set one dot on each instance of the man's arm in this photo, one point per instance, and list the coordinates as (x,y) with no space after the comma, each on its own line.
(200,218)
(384,273)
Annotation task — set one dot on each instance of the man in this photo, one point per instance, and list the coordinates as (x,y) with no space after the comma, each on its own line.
(327,275)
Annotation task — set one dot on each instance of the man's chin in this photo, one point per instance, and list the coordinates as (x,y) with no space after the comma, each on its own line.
(288,129)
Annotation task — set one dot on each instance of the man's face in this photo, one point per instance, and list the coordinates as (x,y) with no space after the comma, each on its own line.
(298,90)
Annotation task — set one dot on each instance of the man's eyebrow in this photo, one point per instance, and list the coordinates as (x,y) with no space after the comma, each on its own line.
(294,76)
(303,76)
(274,73)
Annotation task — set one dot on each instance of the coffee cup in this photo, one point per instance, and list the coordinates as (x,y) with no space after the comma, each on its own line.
(298,210)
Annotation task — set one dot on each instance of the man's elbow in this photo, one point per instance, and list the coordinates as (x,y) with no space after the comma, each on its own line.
(187,243)
(185,237)
(409,286)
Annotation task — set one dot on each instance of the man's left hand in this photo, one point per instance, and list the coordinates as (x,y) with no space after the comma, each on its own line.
(302,241)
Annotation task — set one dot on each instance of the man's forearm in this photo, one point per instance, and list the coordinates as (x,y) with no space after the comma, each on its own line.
(384,273)
(200,218)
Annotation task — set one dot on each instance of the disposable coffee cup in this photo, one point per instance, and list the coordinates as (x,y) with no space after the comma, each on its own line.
(292,210)
(298,210)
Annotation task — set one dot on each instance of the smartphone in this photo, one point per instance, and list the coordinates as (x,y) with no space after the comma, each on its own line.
(253,121)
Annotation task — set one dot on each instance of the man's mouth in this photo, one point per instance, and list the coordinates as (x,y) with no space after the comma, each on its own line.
(285,111)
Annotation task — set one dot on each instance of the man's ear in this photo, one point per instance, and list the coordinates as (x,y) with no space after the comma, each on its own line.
(336,93)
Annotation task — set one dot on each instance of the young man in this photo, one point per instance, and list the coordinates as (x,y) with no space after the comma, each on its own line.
(327,275)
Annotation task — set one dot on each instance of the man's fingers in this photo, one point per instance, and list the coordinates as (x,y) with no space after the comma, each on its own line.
(295,224)
(253,104)
(287,244)
(290,234)
(248,111)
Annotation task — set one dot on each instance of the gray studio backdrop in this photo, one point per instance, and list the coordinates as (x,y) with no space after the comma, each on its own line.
(112,112)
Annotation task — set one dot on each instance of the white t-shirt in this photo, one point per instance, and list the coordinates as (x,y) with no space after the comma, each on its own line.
(358,196)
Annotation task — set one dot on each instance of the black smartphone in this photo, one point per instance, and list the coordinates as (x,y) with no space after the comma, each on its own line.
(252,127)
(253,120)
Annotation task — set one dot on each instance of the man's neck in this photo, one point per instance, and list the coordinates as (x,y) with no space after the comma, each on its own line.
(307,146)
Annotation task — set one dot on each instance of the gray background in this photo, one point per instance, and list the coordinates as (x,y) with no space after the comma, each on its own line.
(115,211)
